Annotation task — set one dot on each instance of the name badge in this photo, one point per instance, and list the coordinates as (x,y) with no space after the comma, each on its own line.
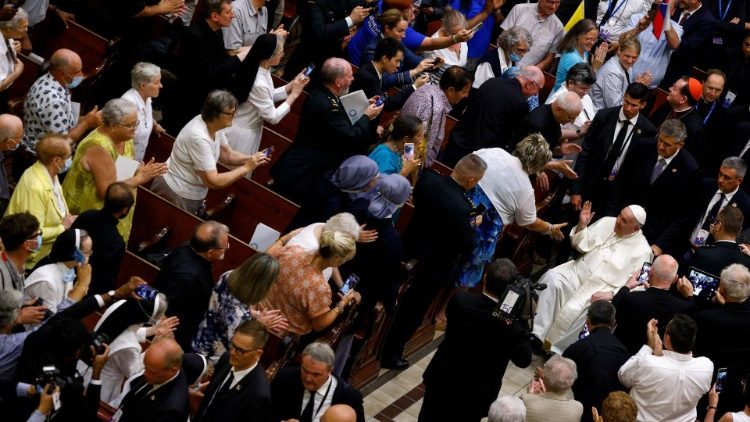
(729,99)
(718,41)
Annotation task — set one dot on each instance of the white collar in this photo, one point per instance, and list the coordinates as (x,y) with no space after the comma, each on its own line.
(239,375)
(323,388)
(157,386)
(491,298)
(729,195)
(632,121)
(380,76)
(668,159)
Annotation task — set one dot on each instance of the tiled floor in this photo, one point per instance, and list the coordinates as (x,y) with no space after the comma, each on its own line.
(394,401)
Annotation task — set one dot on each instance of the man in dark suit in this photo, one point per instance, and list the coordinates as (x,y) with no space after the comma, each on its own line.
(663,178)
(305,393)
(326,137)
(716,119)
(697,25)
(724,334)
(717,195)
(547,119)
(239,389)
(725,250)
(740,147)
(186,278)
(161,393)
(495,109)
(369,78)
(636,309)
(440,232)
(605,146)
(598,357)
(682,98)
(475,352)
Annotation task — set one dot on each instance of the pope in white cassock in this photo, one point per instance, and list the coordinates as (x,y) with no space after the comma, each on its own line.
(613,249)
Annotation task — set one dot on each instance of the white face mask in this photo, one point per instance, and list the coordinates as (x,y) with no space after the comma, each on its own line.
(69,276)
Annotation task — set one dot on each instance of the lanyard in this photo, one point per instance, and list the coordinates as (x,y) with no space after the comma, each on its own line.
(724,14)
(713,106)
(323,401)
(618,7)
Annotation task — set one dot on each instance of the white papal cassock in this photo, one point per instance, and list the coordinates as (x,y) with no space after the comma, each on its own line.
(607,262)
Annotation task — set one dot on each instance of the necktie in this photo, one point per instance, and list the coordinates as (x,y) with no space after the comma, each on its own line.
(684,17)
(307,412)
(614,152)
(658,169)
(711,217)
(221,390)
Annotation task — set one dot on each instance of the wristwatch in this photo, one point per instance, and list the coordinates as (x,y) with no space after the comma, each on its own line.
(578,131)
(111,294)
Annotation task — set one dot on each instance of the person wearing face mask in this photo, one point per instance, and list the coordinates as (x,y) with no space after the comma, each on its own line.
(21,236)
(48,108)
(11,132)
(512,45)
(68,262)
(39,193)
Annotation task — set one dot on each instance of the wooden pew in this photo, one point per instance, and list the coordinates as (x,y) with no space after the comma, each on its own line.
(52,36)
(20,87)
(280,143)
(134,265)
(659,100)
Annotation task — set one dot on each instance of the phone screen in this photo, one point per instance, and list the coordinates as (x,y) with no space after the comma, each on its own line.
(643,276)
(309,70)
(704,284)
(146,292)
(721,376)
(379,102)
(268,151)
(349,284)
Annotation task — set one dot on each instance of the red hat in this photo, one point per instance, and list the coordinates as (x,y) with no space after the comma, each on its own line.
(695,88)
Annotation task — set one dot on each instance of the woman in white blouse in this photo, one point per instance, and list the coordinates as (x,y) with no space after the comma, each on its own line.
(145,79)
(453,55)
(261,97)
(12,30)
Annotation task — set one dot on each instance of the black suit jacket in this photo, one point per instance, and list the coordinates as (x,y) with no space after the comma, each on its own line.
(714,258)
(596,144)
(598,357)
(740,140)
(169,403)
(186,279)
(695,143)
(287,393)
(740,200)
(474,354)
(540,120)
(109,248)
(696,34)
(635,309)
(248,401)
(667,202)
(367,79)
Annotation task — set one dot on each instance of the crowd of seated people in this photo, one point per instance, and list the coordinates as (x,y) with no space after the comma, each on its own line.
(403,147)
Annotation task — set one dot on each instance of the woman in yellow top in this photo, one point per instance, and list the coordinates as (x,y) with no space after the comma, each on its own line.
(38,192)
(93,168)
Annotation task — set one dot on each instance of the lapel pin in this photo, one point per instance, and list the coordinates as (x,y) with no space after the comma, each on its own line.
(152,397)
(638,131)
(674,170)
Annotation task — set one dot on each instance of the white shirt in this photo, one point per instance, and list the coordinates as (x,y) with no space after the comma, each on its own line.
(320,395)
(248,24)
(546,32)
(507,185)
(727,199)
(145,122)
(37,10)
(484,70)
(7,58)
(655,53)
(620,20)
(628,138)
(193,151)
(668,387)
(307,239)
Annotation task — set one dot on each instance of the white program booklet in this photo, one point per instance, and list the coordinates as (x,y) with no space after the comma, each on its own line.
(355,103)
(126,167)
(263,237)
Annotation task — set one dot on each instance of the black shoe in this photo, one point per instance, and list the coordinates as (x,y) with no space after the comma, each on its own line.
(536,345)
(398,364)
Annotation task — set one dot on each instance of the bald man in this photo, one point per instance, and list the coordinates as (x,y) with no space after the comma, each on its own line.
(11,133)
(161,392)
(339,413)
(494,112)
(48,107)
(612,249)
(547,119)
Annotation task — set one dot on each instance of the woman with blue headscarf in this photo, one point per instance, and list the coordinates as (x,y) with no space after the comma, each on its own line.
(338,191)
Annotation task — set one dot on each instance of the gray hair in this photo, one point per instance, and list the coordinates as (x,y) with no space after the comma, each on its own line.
(471,165)
(533,152)
(116,109)
(15,21)
(453,18)
(320,352)
(532,73)
(507,409)
(674,128)
(510,38)
(570,102)
(333,69)
(343,222)
(217,102)
(559,374)
(736,163)
(10,306)
(736,281)
(143,73)
(664,269)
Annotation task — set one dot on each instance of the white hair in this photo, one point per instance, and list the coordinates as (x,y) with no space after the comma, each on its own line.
(507,409)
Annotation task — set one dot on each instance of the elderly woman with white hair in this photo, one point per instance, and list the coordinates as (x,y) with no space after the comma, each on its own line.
(145,79)
(549,393)
(455,54)
(93,168)
(512,45)
(12,30)
(507,409)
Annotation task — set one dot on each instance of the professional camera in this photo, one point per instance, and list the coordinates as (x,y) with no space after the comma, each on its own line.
(51,375)
(516,301)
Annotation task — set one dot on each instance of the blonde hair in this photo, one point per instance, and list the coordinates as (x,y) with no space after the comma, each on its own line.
(337,244)
(533,152)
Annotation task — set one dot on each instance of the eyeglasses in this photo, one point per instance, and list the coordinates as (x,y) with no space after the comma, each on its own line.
(34,236)
(130,126)
(240,350)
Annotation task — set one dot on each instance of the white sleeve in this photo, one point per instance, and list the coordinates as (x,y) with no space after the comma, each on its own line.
(482,74)
(261,97)
(201,154)
(526,211)
(629,372)
(43,290)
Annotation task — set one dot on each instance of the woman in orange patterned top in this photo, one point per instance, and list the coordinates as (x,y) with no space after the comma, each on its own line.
(301,292)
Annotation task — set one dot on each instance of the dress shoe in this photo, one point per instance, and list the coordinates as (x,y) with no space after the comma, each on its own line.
(398,364)
(536,345)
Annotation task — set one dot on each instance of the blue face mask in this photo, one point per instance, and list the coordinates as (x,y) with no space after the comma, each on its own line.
(78,256)
(68,164)
(38,243)
(75,82)
(515,58)
(69,276)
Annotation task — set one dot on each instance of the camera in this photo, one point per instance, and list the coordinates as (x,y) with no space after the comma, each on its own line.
(98,340)
(516,300)
(51,375)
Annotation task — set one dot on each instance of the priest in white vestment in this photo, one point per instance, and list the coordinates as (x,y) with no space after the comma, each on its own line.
(613,248)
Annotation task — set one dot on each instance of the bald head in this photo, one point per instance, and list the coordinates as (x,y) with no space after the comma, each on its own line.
(162,361)
(11,131)
(663,272)
(64,59)
(339,413)
(567,107)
